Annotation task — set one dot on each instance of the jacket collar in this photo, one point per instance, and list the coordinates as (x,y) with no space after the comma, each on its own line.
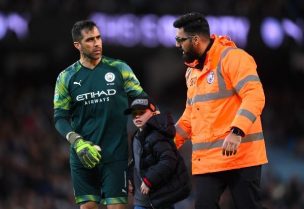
(211,51)
(163,123)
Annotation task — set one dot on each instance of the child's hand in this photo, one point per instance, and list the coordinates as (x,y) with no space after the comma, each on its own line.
(130,188)
(144,188)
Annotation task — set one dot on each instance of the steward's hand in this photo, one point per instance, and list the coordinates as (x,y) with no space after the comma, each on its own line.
(231,144)
(88,153)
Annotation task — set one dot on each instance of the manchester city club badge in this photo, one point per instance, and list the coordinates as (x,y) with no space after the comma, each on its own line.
(110,77)
(210,77)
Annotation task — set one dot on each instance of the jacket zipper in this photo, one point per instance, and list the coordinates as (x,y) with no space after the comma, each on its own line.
(150,201)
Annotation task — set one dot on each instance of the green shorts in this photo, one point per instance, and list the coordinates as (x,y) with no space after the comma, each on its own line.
(105,184)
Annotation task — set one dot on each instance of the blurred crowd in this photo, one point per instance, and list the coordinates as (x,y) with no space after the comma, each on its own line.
(34,164)
(277,8)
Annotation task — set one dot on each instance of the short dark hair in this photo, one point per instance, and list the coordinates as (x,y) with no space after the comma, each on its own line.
(193,22)
(79,26)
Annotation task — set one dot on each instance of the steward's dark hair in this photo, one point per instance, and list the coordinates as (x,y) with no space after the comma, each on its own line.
(193,22)
(79,26)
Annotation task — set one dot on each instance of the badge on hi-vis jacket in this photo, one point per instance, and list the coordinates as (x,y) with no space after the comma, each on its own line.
(210,77)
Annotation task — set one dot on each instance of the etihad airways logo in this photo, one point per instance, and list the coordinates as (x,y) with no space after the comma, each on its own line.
(95,95)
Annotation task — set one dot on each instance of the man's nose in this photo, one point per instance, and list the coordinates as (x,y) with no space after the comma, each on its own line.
(97,42)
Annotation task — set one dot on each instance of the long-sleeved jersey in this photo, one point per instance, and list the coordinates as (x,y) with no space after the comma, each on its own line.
(91,103)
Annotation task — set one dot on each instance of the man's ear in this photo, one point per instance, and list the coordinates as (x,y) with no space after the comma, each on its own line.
(152,107)
(77,45)
(196,39)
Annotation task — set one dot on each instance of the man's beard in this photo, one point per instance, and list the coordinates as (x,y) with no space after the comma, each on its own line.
(90,56)
(190,56)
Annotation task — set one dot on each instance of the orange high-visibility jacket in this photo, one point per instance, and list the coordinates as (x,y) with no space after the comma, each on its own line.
(226,93)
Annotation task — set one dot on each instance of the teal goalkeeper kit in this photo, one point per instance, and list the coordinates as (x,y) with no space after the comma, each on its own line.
(95,101)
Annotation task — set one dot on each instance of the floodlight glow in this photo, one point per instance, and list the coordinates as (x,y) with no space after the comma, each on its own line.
(166,31)
(237,28)
(128,33)
(272,33)
(234,27)
(148,24)
(3,26)
(150,30)
(293,30)
(18,24)
(15,23)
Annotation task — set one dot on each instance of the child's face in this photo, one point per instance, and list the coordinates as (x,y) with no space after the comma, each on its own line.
(140,117)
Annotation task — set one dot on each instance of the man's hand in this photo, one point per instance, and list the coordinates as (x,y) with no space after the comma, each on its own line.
(144,188)
(88,153)
(231,144)
(130,187)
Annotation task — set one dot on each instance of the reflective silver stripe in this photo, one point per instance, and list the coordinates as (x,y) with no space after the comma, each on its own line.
(189,101)
(181,132)
(247,114)
(242,82)
(219,142)
(220,77)
(188,73)
(223,92)
(212,96)
(253,137)
(207,145)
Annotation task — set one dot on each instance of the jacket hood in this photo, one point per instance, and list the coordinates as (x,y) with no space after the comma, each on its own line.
(217,40)
(162,123)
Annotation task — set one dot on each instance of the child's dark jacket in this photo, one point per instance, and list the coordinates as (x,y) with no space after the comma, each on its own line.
(161,166)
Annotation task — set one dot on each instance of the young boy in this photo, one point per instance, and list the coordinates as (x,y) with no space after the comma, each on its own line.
(158,177)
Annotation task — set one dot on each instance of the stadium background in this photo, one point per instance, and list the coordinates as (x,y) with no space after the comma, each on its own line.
(34,169)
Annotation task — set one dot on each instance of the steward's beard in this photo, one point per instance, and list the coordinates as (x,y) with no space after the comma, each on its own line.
(190,55)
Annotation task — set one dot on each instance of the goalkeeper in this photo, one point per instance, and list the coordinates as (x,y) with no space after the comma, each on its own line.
(89,100)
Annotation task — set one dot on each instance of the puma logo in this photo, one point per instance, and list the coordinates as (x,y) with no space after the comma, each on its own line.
(77,83)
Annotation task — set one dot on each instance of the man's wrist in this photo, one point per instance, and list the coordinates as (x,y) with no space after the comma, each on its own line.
(72,137)
(147,182)
(237,131)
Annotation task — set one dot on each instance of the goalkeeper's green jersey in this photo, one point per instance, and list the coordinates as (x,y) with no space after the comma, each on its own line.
(94,100)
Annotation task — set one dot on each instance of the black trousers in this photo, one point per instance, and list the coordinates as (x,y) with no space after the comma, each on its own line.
(244,185)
